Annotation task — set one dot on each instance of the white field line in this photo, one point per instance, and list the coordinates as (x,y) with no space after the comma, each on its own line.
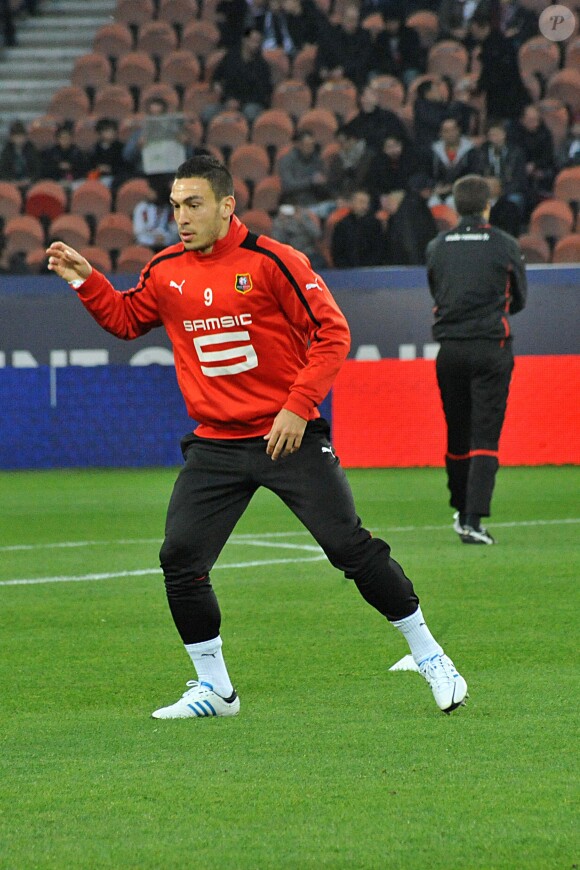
(244,540)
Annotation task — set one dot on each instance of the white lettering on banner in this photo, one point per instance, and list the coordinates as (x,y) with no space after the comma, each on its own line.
(214,356)
(150,356)
(23,359)
(89,357)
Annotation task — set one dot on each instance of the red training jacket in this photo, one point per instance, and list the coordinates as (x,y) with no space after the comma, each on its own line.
(253,329)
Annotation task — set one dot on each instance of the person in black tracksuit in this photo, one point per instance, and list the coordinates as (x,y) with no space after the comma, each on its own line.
(477,279)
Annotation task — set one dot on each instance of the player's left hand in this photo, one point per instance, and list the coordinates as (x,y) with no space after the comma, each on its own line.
(285,436)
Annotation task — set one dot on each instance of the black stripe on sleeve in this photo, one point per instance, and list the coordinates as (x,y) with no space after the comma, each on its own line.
(251,244)
(159,258)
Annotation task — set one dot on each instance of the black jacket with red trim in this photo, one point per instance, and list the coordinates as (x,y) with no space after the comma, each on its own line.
(477,279)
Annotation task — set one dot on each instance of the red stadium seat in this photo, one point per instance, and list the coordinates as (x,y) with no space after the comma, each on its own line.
(292,96)
(10,200)
(250,162)
(157,38)
(390,92)
(322,123)
(534,248)
(258,221)
(567,249)
(22,233)
(227,130)
(267,194)
(130,193)
(180,69)
(91,199)
(567,185)
(97,257)
(133,258)
(339,97)
(552,219)
(448,58)
(273,128)
(69,103)
(445,217)
(113,40)
(72,229)
(113,101)
(114,232)
(45,199)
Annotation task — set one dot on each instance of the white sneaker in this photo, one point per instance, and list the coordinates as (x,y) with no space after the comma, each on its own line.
(448,687)
(200,701)
(476,536)
(457,527)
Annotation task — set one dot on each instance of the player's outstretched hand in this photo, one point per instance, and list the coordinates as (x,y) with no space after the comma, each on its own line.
(67,263)
(285,436)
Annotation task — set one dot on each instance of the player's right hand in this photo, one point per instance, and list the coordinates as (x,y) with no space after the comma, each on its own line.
(67,263)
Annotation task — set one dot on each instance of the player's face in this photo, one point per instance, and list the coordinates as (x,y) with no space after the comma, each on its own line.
(201,219)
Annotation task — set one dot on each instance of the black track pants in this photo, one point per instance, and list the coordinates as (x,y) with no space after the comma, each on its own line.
(474,378)
(211,493)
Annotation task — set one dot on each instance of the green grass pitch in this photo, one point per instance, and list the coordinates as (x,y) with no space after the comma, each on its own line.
(333,761)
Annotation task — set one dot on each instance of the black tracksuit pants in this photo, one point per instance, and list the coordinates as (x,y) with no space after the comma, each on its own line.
(474,377)
(214,488)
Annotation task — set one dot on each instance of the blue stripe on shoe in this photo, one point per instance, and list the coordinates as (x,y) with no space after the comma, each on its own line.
(211,707)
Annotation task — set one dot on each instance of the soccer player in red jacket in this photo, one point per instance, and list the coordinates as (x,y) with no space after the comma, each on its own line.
(258,340)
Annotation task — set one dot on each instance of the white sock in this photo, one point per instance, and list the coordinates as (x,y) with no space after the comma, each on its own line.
(209,663)
(421,642)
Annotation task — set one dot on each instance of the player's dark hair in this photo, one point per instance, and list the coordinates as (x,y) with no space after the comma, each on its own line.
(471,194)
(213,170)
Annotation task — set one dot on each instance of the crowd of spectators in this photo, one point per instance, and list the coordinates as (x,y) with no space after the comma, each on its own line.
(379,187)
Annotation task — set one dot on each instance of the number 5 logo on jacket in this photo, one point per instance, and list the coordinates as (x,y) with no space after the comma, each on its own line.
(247,351)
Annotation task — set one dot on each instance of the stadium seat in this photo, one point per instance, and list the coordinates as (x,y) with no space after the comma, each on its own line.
(273,128)
(329,151)
(426,23)
(567,185)
(198,97)
(258,221)
(91,71)
(163,91)
(201,37)
(292,96)
(533,85)
(279,64)
(539,56)
(445,217)
(36,260)
(227,130)
(85,134)
(555,116)
(448,58)
(22,233)
(113,101)
(114,232)
(135,70)
(339,97)
(45,199)
(91,199)
(97,257)
(134,14)
(389,90)
(241,193)
(250,162)
(534,248)
(69,103)
(552,219)
(130,193)
(210,62)
(72,229)
(567,249)
(133,258)
(113,40)
(374,24)
(304,63)
(267,194)
(572,58)
(157,38)
(180,69)
(178,13)
(322,123)
(565,85)
(41,131)
(10,200)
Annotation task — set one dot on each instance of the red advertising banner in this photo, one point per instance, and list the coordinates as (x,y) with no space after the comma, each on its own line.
(387,413)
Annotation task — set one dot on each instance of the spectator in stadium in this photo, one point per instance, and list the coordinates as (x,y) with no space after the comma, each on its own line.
(347,167)
(344,51)
(105,159)
(275,30)
(301,229)
(374,124)
(20,159)
(8,28)
(231,17)
(303,176)
(153,223)
(390,169)
(397,50)
(305,21)
(357,239)
(568,153)
(531,134)
(507,162)
(411,225)
(451,157)
(433,104)
(64,161)
(470,270)
(499,79)
(504,213)
(455,17)
(258,429)
(517,22)
(242,79)
(155,107)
